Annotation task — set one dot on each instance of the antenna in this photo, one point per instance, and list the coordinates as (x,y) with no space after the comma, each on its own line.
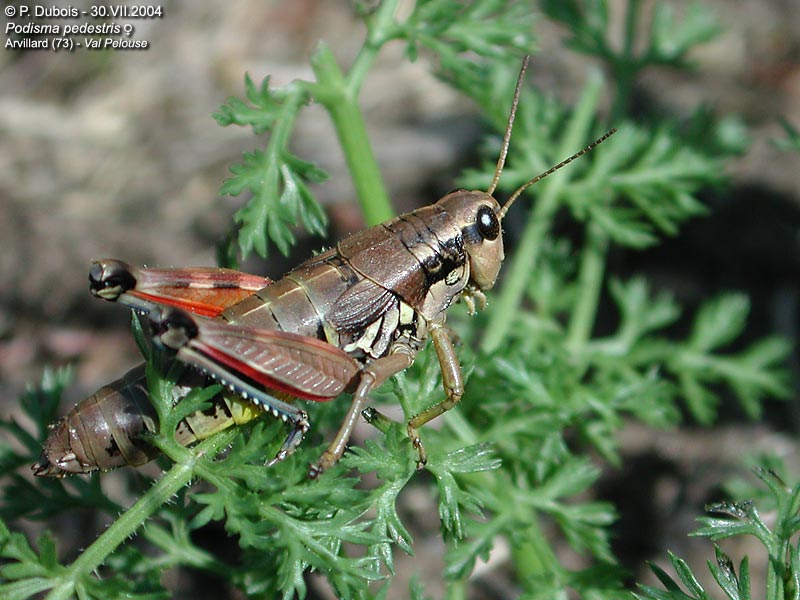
(501,161)
(502,212)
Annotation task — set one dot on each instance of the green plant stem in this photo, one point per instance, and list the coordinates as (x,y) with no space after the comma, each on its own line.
(456,590)
(279,138)
(121,529)
(381,28)
(527,253)
(533,556)
(338,93)
(522,265)
(624,66)
(773,589)
(590,282)
(341,102)
(127,524)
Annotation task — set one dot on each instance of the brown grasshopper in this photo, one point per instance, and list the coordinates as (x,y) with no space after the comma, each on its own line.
(343,321)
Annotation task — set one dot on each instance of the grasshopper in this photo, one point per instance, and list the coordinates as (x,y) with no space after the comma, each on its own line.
(105,431)
(343,321)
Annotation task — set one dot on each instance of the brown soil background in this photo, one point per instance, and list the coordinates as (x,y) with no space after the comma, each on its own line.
(114,154)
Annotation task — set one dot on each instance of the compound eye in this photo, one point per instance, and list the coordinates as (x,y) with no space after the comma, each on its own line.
(488,225)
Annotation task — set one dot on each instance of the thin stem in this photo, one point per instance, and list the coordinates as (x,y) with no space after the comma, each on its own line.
(353,138)
(590,282)
(527,253)
(774,587)
(631,13)
(381,28)
(130,521)
(279,138)
(339,94)
(625,66)
(522,265)
(457,590)
(533,557)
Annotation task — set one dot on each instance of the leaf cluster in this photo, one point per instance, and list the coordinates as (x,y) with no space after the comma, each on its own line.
(654,36)
(736,519)
(276,179)
(668,39)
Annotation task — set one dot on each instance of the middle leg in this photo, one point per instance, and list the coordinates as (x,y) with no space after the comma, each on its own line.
(373,375)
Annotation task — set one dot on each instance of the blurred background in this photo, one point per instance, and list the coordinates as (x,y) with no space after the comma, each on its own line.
(115,154)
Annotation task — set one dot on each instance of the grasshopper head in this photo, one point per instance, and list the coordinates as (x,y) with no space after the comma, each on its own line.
(480,216)
(476,212)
